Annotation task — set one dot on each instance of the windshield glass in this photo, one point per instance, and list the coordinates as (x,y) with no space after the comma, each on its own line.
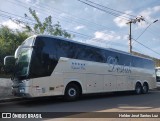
(28,41)
(22,64)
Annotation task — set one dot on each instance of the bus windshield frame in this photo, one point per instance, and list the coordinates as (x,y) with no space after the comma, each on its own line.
(23,54)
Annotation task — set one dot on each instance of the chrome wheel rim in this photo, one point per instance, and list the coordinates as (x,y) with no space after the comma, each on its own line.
(72,92)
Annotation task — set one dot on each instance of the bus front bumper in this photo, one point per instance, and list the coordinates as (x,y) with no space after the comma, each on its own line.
(20,90)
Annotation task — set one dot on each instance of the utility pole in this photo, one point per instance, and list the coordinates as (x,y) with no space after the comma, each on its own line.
(130,37)
(138,19)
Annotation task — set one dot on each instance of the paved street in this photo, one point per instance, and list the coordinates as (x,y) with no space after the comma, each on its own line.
(118,102)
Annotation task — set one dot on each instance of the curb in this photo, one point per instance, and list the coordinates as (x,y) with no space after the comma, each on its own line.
(10,99)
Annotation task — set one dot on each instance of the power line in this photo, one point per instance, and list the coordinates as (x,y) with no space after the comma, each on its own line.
(146,46)
(145,30)
(77,33)
(91,36)
(74,18)
(65,20)
(87,35)
(89,1)
(137,50)
(13,19)
(115,15)
(109,12)
(35,23)
(153,31)
(82,19)
(111,8)
(6,16)
(16,15)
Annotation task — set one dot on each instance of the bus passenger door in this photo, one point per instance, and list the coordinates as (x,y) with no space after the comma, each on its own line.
(94,83)
(110,83)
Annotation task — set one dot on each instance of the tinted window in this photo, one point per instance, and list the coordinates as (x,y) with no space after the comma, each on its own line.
(44,57)
(65,49)
(96,54)
(47,52)
(89,53)
(142,63)
(137,62)
(121,59)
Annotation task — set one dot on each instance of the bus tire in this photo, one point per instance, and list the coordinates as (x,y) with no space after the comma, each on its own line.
(145,88)
(72,92)
(138,89)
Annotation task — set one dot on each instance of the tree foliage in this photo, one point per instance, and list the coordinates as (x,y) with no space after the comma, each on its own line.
(45,27)
(9,41)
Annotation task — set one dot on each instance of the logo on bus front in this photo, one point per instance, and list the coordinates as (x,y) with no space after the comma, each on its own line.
(115,67)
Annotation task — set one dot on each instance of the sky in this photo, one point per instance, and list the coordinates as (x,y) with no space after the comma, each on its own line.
(90,25)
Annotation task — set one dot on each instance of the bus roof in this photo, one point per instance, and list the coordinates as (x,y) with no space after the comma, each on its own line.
(110,49)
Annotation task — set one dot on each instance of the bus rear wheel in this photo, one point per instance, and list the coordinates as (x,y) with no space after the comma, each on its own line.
(138,89)
(72,92)
(145,88)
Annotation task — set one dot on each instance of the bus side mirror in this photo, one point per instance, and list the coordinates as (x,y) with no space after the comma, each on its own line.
(9,63)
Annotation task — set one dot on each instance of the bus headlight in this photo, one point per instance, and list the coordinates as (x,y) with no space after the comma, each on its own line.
(22,90)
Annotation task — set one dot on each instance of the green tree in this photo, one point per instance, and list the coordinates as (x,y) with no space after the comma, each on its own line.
(9,41)
(45,27)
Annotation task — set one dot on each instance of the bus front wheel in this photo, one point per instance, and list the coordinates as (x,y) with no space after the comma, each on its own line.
(72,92)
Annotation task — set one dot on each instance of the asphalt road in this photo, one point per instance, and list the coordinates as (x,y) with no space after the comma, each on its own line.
(110,102)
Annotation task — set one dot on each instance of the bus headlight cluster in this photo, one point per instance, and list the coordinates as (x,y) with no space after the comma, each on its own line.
(22,90)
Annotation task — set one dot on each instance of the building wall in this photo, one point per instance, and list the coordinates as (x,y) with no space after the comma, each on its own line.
(5,88)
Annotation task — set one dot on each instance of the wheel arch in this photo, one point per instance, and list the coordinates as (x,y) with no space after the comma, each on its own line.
(138,82)
(146,82)
(77,82)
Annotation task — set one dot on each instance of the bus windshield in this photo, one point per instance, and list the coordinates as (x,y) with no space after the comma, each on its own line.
(22,64)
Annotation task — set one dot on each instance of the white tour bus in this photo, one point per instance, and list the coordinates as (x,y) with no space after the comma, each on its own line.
(48,66)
